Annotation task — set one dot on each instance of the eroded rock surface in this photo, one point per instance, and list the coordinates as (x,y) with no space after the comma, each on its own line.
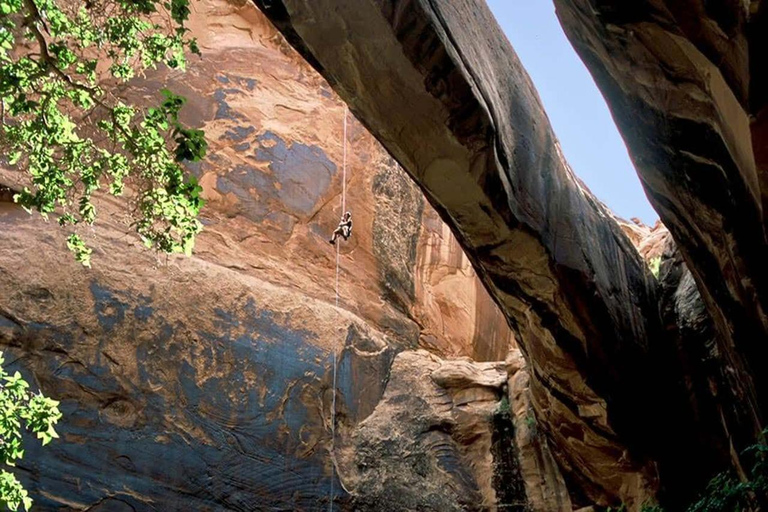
(205,383)
(444,437)
(723,416)
(545,486)
(184,386)
(686,87)
(437,83)
(685,81)
(408,453)
(649,240)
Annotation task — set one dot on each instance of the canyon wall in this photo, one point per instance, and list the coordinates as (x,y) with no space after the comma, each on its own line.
(205,383)
(438,84)
(685,81)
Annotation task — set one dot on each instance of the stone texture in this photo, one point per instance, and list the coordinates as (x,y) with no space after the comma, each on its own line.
(649,241)
(458,112)
(723,418)
(205,383)
(409,453)
(445,283)
(437,83)
(184,385)
(685,81)
(443,438)
(544,484)
(677,76)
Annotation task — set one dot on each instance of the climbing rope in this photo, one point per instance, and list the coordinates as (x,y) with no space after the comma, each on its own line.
(343,195)
(333,351)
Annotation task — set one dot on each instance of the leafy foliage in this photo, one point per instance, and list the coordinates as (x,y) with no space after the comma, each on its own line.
(727,493)
(20,408)
(655,265)
(62,63)
(503,408)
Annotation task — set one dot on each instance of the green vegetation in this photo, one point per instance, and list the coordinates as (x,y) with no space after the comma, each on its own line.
(655,265)
(65,126)
(644,508)
(530,421)
(33,411)
(727,493)
(67,129)
(503,408)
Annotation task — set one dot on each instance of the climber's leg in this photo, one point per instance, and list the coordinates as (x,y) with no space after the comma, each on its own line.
(336,234)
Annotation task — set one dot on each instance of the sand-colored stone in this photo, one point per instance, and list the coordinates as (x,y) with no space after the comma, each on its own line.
(648,240)
(437,82)
(205,383)
(544,484)
(439,86)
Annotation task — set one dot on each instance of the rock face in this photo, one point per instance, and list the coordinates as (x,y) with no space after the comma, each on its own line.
(437,83)
(685,81)
(445,283)
(206,383)
(649,241)
(544,484)
(439,417)
(413,452)
(225,408)
(722,410)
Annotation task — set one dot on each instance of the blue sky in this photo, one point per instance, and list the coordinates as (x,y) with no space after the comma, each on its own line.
(577,110)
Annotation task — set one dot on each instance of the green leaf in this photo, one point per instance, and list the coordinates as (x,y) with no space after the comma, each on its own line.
(79,249)
(38,413)
(49,104)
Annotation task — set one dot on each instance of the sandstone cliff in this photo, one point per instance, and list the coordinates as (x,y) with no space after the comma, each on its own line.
(684,82)
(206,383)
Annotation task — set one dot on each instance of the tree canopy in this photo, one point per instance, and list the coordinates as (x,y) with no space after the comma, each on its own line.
(67,128)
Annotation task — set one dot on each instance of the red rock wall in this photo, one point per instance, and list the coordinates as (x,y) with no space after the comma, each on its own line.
(204,383)
(452,306)
(273,179)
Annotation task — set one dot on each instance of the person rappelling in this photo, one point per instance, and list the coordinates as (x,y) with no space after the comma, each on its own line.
(344,229)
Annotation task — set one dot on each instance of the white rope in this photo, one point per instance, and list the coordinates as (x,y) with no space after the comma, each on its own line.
(338,249)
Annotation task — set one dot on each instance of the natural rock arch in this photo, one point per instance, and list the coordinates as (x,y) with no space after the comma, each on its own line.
(438,84)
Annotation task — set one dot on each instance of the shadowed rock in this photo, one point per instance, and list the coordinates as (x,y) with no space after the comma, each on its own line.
(205,383)
(686,83)
(438,84)
(435,441)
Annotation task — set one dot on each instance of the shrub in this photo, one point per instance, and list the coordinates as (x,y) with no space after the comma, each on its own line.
(655,265)
(726,493)
(19,408)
